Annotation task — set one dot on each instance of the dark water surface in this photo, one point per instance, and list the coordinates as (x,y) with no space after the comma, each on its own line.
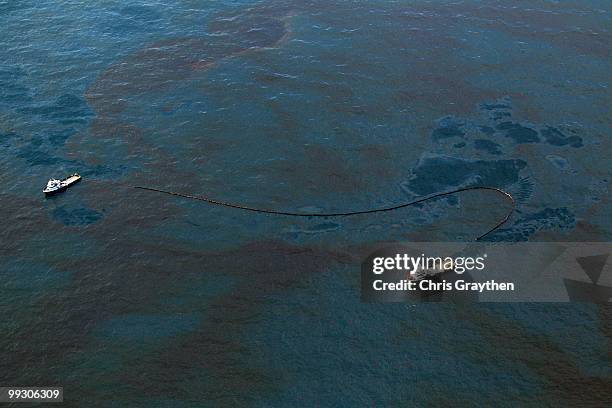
(127,298)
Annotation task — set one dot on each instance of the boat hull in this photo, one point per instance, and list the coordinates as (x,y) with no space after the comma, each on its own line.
(75,179)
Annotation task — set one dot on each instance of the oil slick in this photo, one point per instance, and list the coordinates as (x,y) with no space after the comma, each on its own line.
(165,63)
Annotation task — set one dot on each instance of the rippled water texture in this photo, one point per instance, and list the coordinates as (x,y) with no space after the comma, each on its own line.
(127,298)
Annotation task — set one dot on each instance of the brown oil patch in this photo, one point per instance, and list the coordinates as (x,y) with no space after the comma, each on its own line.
(319,169)
(147,274)
(163,64)
(266,269)
(157,66)
(566,383)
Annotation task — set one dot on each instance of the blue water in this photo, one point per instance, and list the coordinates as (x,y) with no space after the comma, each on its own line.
(127,298)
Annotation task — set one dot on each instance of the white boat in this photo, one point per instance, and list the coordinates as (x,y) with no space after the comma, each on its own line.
(55,186)
(421,274)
